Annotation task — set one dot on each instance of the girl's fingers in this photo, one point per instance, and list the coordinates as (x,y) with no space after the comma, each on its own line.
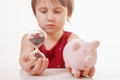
(85,72)
(77,74)
(44,65)
(28,65)
(68,68)
(91,72)
(40,66)
(47,62)
(36,67)
(25,57)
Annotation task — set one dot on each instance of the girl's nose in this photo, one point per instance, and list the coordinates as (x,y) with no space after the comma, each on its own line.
(50,16)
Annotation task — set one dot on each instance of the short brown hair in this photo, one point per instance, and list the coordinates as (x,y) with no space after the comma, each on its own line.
(66,3)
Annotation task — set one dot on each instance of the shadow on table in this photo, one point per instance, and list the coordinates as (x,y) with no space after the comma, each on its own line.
(50,74)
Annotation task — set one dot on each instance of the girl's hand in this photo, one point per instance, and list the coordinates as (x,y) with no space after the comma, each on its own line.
(84,73)
(35,66)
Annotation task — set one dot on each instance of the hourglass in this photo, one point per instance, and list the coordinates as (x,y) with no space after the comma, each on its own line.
(37,38)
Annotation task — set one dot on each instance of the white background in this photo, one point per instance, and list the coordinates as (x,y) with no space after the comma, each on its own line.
(91,20)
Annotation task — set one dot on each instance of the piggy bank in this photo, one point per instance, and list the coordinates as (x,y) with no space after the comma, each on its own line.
(79,54)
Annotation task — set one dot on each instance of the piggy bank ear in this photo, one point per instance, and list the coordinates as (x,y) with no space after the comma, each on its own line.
(76,46)
(95,43)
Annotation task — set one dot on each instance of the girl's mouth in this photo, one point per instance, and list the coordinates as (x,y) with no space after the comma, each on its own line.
(50,25)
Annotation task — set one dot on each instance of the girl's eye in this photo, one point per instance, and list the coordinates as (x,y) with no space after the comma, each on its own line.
(57,11)
(43,11)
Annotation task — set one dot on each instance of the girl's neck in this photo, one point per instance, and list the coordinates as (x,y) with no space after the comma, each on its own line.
(52,39)
(55,36)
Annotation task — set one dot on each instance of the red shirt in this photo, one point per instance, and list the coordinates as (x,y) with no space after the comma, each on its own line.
(55,54)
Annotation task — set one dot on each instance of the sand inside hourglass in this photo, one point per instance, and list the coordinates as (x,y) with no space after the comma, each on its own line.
(37,41)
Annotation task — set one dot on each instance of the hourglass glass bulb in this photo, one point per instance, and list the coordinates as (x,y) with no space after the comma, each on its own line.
(37,38)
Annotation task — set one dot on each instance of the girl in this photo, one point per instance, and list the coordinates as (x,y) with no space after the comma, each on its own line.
(51,16)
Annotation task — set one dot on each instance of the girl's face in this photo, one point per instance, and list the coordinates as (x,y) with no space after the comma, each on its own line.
(51,17)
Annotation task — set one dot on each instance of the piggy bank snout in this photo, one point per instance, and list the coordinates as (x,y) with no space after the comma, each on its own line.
(88,58)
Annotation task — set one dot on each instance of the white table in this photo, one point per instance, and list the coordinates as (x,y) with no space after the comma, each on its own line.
(55,74)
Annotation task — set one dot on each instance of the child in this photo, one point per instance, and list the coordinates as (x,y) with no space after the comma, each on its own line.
(51,16)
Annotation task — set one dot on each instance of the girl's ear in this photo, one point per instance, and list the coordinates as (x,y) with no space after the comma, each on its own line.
(68,15)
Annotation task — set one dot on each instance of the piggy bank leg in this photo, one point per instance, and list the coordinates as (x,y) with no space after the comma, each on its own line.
(76,73)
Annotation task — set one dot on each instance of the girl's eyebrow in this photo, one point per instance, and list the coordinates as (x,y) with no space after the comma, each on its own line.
(57,7)
(42,8)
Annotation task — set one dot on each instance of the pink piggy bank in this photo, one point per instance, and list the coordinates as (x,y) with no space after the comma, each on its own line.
(79,54)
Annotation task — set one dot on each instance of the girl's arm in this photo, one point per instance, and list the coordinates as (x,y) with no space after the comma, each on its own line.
(73,36)
(32,65)
(26,49)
